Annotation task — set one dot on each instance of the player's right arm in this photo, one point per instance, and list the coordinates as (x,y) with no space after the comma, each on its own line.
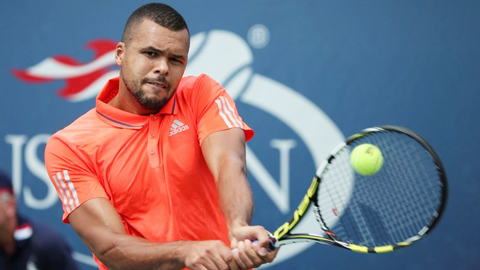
(100,227)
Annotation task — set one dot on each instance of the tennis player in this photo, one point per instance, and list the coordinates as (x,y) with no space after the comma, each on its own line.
(154,176)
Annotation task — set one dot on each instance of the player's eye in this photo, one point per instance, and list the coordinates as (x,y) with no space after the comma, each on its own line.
(150,54)
(176,60)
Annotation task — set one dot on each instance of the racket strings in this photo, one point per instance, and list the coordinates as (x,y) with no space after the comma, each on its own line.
(388,207)
(334,199)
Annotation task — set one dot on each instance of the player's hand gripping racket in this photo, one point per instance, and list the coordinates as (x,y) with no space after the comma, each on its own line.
(387,210)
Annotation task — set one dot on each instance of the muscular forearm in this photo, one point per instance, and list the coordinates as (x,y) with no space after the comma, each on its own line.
(130,252)
(236,199)
(224,153)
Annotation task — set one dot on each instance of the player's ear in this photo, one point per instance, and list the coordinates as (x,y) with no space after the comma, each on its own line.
(119,53)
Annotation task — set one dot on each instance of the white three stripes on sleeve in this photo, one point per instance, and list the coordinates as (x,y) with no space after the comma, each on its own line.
(227,113)
(67,190)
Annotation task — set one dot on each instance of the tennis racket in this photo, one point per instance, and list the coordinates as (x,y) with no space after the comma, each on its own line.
(383,212)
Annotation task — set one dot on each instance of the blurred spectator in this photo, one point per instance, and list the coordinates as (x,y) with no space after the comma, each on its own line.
(27,245)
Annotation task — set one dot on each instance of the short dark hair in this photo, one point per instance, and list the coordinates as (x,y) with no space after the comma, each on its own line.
(159,13)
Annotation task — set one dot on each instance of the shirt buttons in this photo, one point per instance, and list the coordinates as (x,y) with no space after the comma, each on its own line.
(152,136)
(152,152)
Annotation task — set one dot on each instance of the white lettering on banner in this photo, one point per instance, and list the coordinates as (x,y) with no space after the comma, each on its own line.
(17,142)
(284,146)
(278,193)
(35,165)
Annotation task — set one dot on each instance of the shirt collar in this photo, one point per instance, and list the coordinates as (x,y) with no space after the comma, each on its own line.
(122,119)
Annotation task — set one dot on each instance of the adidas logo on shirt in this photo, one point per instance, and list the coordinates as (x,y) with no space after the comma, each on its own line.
(177,127)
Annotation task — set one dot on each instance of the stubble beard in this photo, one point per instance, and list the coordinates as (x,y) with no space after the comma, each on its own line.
(153,104)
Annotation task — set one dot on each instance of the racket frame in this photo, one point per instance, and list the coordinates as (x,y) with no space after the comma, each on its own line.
(282,235)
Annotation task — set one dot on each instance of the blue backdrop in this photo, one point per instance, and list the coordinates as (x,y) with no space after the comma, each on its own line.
(304,75)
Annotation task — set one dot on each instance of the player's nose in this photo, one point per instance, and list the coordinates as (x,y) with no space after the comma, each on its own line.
(161,67)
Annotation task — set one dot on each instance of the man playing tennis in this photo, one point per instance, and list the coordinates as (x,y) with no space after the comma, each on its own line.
(154,176)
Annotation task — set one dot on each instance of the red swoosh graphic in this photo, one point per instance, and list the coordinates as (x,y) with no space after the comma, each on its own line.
(81,76)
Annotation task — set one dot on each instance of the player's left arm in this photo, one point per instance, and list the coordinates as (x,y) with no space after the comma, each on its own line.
(224,152)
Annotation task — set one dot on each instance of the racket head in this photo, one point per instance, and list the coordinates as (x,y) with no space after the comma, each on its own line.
(390,209)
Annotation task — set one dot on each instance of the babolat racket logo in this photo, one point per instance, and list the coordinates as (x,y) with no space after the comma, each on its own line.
(302,208)
(82,80)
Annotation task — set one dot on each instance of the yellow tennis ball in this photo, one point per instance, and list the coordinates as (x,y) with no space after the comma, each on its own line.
(366,159)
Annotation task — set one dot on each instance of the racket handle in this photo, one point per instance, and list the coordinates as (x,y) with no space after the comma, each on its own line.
(271,245)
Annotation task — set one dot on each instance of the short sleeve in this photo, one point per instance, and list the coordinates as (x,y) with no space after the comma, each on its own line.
(72,175)
(215,109)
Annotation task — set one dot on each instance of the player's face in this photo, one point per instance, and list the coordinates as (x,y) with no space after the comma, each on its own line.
(152,64)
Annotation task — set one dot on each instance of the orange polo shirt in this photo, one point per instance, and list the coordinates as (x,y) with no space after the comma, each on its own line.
(151,168)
